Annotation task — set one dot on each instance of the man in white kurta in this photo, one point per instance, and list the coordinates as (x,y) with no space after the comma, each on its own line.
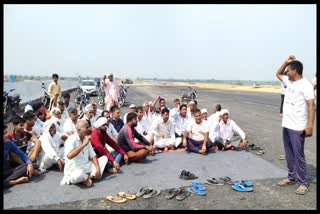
(142,127)
(111,90)
(82,165)
(51,153)
(70,124)
(163,132)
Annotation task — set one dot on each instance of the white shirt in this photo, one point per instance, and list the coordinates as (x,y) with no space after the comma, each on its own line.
(295,108)
(213,118)
(71,105)
(166,128)
(197,131)
(283,88)
(112,132)
(180,124)
(28,108)
(173,113)
(39,123)
(226,130)
(69,126)
(81,161)
(142,126)
(50,145)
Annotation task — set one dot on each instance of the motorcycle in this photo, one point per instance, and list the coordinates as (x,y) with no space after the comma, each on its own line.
(81,99)
(123,95)
(188,95)
(101,96)
(46,98)
(11,105)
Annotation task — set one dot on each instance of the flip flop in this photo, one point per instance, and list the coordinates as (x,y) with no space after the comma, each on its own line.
(182,194)
(214,181)
(244,183)
(172,193)
(127,195)
(198,185)
(241,188)
(227,180)
(118,200)
(152,194)
(282,157)
(143,191)
(260,152)
(195,191)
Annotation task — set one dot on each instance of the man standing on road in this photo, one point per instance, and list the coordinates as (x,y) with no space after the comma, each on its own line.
(297,121)
(54,91)
(111,90)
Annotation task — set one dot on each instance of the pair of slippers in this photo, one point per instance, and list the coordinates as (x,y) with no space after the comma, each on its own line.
(178,193)
(213,181)
(197,188)
(255,147)
(243,186)
(121,197)
(147,192)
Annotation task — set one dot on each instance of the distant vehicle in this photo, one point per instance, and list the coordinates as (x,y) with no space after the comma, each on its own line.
(89,87)
(188,95)
(128,81)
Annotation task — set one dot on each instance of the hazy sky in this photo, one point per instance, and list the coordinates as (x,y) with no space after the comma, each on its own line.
(225,42)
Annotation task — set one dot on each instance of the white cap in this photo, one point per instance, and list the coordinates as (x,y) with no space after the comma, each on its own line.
(224,111)
(192,102)
(204,110)
(132,106)
(101,121)
(109,74)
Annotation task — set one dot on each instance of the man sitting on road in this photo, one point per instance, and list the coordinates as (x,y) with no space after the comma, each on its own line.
(223,133)
(175,110)
(67,102)
(195,137)
(24,140)
(213,118)
(111,131)
(52,151)
(96,113)
(88,114)
(31,126)
(143,127)
(82,165)
(20,173)
(132,108)
(135,152)
(163,132)
(56,116)
(64,113)
(70,125)
(191,107)
(99,138)
(180,123)
(116,121)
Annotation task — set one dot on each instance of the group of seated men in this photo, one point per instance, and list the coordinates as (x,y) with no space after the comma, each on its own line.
(83,148)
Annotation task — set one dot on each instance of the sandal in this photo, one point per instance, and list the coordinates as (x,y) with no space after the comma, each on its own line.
(282,157)
(286,182)
(214,181)
(240,188)
(127,195)
(182,194)
(152,194)
(260,152)
(118,200)
(198,185)
(196,191)
(143,191)
(173,193)
(185,175)
(227,180)
(244,183)
(302,189)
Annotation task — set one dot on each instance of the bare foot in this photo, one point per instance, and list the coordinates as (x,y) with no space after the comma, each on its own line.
(112,170)
(88,182)
(20,181)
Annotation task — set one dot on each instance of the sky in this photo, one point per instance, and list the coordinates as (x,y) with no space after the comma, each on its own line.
(214,41)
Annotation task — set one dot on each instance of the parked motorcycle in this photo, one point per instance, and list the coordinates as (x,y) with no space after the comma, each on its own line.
(11,105)
(101,96)
(188,95)
(46,98)
(123,95)
(81,99)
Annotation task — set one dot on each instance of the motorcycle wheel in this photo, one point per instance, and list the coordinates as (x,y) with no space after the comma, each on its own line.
(121,101)
(7,116)
(100,101)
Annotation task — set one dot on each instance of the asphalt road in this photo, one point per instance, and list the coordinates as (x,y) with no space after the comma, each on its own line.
(258,115)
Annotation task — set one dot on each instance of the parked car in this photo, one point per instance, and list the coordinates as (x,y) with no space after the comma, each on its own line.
(89,87)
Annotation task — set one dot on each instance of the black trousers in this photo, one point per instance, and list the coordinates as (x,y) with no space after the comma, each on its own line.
(14,173)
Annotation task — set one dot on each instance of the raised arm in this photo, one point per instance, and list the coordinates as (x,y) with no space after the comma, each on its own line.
(280,71)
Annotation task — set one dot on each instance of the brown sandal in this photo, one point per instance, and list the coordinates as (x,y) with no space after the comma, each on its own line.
(286,182)
(302,189)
